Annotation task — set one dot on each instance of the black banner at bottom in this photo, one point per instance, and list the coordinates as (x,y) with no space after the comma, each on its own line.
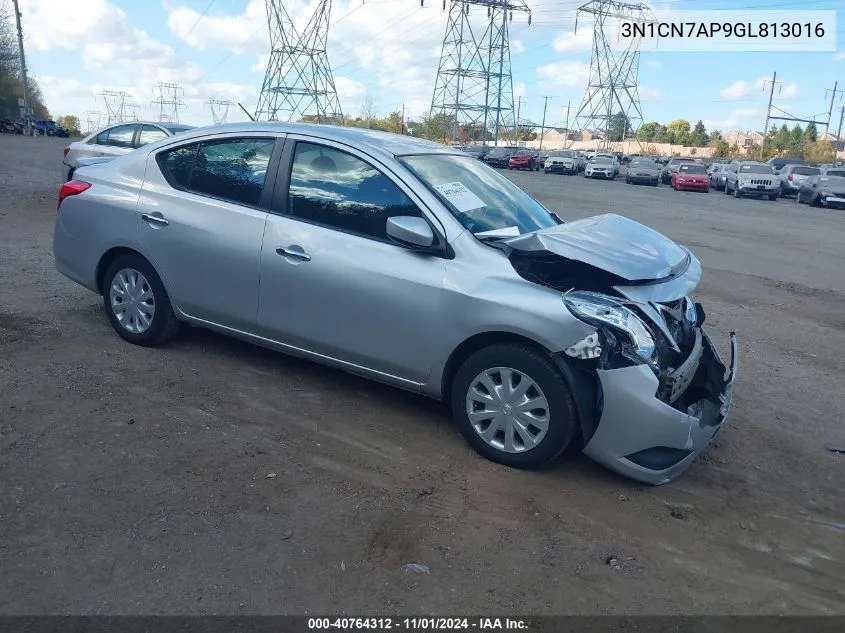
(377,624)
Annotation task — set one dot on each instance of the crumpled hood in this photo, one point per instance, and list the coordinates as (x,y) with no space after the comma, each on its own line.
(612,243)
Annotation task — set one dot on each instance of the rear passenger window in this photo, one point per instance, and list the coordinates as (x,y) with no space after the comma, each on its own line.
(231,169)
(177,164)
(121,136)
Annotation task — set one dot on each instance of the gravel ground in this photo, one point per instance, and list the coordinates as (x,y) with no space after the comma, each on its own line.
(213,477)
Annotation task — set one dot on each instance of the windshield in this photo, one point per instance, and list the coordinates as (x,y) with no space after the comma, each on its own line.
(692,169)
(836,172)
(643,164)
(563,154)
(498,151)
(479,197)
(755,169)
(602,159)
(806,171)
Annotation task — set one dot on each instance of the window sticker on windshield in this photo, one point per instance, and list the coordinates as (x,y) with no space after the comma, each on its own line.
(460,197)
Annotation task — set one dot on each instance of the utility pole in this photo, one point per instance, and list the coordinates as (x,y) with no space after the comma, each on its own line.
(830,110)
(768,113)
(566,126)
(838,134)
(543,125)
(518,107)
(23,67)
(402,129)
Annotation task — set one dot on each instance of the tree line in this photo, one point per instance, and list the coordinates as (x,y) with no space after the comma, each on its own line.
(11,83)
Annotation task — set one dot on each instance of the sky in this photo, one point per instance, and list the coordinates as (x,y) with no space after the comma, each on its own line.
(387,51)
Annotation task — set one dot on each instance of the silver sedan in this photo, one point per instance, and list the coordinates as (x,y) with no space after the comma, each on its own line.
(416,265)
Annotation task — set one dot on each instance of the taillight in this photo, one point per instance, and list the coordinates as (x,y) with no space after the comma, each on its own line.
(72,188)
(790,177)
(66,150)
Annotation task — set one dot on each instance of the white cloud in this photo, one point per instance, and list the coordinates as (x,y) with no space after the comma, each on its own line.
(564,73)
(735,119)
(737,90)
(649,94)
(227,32)
(655,64)
(571,42)
(742,89)
(839,57)
(517,47)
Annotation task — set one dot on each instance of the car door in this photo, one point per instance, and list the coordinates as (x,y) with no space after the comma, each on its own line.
(332,282)
(202,211)
(148,133)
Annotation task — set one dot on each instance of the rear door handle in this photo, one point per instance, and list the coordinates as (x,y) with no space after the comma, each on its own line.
(154,219)
(294,253)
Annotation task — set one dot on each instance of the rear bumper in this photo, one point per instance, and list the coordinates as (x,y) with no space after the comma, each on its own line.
(644,438)
(73,259)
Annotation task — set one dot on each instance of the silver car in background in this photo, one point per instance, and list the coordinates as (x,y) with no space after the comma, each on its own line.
(116,140)
(751,178)
(563,161)
(824,190)
(416,265)
(602,167)
(717,173)
(791,177)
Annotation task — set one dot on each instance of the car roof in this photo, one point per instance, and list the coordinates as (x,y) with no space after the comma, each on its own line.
(386,142)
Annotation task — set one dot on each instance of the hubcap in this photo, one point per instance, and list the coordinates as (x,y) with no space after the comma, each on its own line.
(507,409)
(132,301)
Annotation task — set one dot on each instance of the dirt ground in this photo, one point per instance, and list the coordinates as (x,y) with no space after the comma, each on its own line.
(213,477)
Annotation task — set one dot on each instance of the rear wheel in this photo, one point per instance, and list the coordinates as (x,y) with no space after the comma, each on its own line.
(136,302)
(513,406)
(798,198)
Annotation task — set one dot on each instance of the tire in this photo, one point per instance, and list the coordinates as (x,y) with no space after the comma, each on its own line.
(560,412)
(773,197)
(164,324)
(798,199)
(627,181)
(815,201)
(737,194)
(726,190)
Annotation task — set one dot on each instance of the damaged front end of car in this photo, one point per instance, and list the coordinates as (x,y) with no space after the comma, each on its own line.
(661,391)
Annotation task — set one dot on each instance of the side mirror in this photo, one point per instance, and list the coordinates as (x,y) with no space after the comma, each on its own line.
(410,231)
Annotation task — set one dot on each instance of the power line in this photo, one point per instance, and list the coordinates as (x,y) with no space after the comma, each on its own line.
(191,30)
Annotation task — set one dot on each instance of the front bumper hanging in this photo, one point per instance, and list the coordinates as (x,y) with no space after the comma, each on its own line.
(653,440)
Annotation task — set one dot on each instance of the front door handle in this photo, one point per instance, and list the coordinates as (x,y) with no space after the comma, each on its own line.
(294,253)
(154,219)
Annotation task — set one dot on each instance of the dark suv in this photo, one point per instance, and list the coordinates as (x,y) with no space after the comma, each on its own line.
(500,156)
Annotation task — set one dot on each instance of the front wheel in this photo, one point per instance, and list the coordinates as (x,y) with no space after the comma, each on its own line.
(773,197)
(513,406)
(136,302)
(737,194)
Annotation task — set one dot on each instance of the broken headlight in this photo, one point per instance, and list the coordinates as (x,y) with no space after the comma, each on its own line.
(601,310)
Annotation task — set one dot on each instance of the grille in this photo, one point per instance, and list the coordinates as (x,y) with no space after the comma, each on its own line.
(761,181)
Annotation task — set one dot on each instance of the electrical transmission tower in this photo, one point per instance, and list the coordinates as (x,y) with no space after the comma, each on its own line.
(117,110)
(168,101)
(219,110)
(298,83)
(93,120)
(611,99)
(474,90)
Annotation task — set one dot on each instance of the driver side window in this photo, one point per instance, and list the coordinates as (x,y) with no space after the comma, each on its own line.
(338,190)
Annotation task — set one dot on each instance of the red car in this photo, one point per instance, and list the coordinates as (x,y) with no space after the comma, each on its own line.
(692,176)
(525,160)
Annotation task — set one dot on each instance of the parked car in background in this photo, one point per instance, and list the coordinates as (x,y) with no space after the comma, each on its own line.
(525,159)
(671,166)
(602,167)
(500,156)
(563,161)
(826,189)
(476,151)
(791,177)
(540,334)
(691,177)
(643,170)
(717,172)
(542,158)
(116,140)
(751,178)
(49,128)
(779,162)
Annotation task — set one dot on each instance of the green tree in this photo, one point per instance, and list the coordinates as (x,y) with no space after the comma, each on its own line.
(698,137)
(393,123)
(782,138)
(70,123)
(619,128)
(649,132)
(721,149)
(714,137)
(811,134)
(796,142)
(677,131)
